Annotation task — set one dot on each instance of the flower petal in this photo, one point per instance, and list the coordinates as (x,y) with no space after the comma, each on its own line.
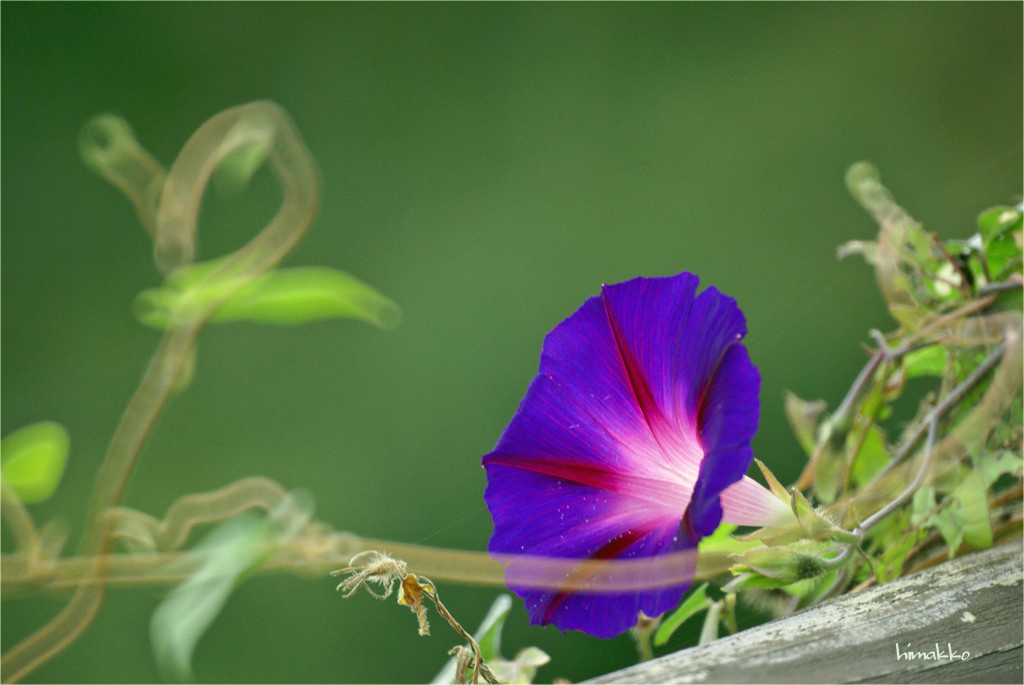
(748,503)
(543,515)
(640,417)
(728,422)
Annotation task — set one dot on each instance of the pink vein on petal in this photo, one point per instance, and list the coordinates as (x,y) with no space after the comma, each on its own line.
(641,391)
(671,496)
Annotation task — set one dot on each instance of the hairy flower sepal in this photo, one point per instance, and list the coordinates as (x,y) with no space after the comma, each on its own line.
(631,443)
(804,523)
(799,561)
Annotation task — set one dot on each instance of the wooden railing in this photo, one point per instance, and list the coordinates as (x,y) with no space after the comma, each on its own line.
(957,622)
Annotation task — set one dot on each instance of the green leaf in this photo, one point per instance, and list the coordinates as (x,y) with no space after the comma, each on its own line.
(1003,255)
(952,533)
(890,566)
(972,513)
(997,227)
(922,506)
(294,296)
(993,222)
(946,481)
(830,473)
(234,171)
(490,628)
(230,552)
(191,607)
(522,668)
(867,248)
(192,275)
(927,361)
(33,460)
(828,477)
(709,631)
(994,466)
(803,418)
(285,297)
(696,602)
(531,656)
(870,458)
(875,405)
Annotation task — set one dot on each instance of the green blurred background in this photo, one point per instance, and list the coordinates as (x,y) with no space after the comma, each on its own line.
(488,167)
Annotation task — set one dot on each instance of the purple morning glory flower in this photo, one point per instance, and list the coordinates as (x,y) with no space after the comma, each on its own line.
(632,442)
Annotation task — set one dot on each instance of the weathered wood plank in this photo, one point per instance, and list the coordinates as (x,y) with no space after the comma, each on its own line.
(970,605)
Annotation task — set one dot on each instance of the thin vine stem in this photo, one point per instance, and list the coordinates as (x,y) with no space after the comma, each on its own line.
(18,519)
(261,123)
(135,424)
(908,492)
(315,552)
(948,402)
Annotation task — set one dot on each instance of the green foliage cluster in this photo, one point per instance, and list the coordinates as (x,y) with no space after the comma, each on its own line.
(881,498)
